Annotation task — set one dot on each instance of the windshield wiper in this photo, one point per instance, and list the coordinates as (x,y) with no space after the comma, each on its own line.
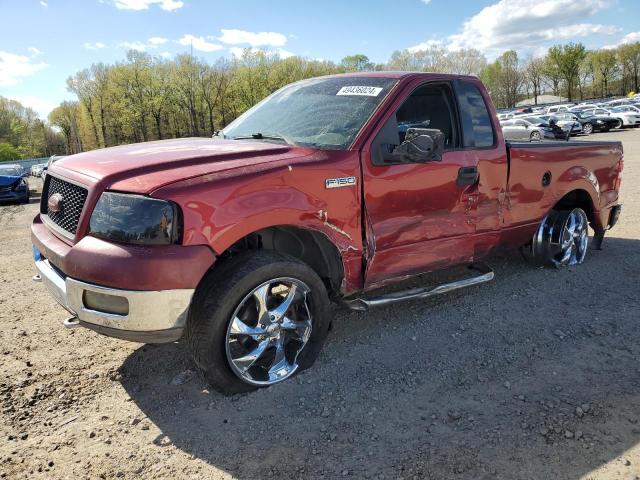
(265,136)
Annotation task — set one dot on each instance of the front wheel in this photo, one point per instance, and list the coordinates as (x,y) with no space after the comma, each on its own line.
(562,238)
(587,128)
(256,320)
(618,125)
(535,136)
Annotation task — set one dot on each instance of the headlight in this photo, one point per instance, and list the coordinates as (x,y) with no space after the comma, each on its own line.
(126,218)
(598,121)
(20,184)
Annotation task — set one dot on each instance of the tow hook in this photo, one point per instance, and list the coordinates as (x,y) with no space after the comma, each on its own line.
(71,322)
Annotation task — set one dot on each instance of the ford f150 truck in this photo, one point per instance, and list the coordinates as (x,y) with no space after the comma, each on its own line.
(328,189)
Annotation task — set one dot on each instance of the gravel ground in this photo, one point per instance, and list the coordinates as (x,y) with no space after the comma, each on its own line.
(532,376)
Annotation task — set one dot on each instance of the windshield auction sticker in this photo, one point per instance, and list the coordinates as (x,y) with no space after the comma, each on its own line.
(360,90)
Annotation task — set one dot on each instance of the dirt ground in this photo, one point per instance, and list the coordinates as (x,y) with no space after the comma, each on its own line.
(535,375)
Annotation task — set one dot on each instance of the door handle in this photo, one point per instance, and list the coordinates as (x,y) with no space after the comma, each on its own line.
(467,176)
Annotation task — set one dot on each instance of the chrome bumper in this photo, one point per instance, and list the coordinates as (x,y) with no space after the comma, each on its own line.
(152,317)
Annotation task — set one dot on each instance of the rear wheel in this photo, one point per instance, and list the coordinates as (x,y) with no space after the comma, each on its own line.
(257,320)
(619,124)
(562,238)
(587,128)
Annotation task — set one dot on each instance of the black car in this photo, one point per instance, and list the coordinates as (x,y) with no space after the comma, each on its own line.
(595,123)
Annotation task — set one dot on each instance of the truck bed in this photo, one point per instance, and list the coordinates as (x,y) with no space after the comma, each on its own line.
(590,166)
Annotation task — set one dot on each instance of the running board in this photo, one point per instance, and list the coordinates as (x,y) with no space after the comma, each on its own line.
(363,304)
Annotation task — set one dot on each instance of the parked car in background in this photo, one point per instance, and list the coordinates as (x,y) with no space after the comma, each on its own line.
(596,123)
(37,169)
(623,118)
(568,125)
(558,109)
(629,114)
(53,159)
(531,128)
(568,121)
(13,184)
(527,129)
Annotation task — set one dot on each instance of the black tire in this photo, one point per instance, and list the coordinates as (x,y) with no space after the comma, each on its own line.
(219,294)
(535,136)
(619,125)
(587,129)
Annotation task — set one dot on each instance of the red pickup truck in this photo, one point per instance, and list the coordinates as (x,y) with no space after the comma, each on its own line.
(328,189)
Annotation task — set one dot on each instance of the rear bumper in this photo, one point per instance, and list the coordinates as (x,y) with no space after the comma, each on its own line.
(150,316)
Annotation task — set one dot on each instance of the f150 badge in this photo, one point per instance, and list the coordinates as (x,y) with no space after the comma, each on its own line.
(340,182)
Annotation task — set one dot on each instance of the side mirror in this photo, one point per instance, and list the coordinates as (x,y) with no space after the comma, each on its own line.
(420,145)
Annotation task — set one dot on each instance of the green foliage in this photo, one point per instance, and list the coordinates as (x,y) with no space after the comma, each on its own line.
(566,61)
(25,133)
(8,152)
(356,63)
(147,98)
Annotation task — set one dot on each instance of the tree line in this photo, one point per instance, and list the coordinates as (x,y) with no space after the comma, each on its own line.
(146,98)
(24,135)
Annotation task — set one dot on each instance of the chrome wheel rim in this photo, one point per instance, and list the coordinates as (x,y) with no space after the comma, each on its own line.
(535,136)
(588,128)
(268,330)
(573,240)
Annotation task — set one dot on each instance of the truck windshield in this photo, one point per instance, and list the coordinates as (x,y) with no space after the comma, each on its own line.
(325,113)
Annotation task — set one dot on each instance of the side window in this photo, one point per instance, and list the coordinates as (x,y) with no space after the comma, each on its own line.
(429,106)
(521,123)
(477,128)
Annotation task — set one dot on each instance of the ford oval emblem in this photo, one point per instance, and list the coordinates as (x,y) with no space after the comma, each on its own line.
(55,203)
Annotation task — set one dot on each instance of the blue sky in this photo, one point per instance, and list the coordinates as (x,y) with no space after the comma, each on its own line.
(42,42)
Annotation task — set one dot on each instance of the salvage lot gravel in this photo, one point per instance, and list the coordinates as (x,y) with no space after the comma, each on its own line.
(533,376)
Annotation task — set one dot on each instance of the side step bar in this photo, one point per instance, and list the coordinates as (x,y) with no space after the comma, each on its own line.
(363,304)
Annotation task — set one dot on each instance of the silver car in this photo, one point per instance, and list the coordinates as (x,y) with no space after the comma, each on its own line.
(530,128)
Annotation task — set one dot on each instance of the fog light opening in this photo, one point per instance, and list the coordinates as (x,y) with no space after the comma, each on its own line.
(104,303)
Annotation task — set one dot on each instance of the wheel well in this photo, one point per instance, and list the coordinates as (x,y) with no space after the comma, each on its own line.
(309,246)
(577,199)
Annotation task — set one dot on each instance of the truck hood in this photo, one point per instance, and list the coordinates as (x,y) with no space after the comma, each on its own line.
(144,167)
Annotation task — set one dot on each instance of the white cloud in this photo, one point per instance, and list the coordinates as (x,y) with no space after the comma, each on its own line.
(628,38)
(425,45)
(199,43)
(94,46)
(13,67)
(426,2)
(282,53)
(254,39)
(168,5)
(43,3)
(34,51)
(139,46)
(526,25)
(40,105)
(157,40)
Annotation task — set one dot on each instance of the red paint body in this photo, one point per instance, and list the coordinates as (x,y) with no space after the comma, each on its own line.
(398,220)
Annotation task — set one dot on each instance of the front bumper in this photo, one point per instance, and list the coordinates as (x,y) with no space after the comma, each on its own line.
(14,195)
(150,316)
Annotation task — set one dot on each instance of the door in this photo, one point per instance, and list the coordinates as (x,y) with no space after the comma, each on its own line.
(418,217)
(486,149)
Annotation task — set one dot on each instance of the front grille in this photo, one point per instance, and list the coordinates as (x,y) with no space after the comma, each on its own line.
(73,198)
